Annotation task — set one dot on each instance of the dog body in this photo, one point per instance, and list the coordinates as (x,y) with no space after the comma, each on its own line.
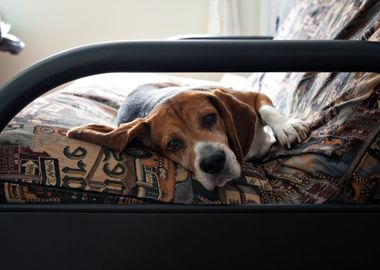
(207,130)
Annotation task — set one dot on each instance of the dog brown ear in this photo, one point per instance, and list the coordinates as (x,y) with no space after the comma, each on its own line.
(239,120)
(114,138)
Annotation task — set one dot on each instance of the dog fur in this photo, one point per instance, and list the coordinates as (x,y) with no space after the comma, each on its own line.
(209,131)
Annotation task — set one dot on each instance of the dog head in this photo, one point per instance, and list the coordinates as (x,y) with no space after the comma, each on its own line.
(207,132)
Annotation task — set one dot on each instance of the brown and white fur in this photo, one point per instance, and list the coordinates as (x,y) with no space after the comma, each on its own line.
(209,131)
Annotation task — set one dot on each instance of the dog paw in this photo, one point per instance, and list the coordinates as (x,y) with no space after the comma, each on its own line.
(291,131)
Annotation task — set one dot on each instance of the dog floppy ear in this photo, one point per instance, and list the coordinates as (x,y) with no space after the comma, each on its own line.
(114,138)
(239,120)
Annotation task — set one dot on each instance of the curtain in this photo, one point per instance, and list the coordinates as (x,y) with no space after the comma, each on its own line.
(224,17)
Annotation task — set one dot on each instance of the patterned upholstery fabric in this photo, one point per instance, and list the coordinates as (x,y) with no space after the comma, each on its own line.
(338,163)
(342,108)
(315,20)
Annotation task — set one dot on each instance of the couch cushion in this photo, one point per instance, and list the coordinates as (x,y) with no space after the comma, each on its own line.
(39,164)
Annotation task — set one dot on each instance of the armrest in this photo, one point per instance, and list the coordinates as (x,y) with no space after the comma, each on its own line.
(185,56)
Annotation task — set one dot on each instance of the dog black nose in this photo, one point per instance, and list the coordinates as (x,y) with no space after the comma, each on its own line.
(213,162)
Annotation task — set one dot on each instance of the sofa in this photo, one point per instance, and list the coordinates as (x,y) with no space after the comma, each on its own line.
(70,203)
(341,153)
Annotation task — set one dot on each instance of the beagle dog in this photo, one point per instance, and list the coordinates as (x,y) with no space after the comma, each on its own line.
(209,131)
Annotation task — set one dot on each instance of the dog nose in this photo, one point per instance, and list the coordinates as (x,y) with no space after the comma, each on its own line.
(214,162)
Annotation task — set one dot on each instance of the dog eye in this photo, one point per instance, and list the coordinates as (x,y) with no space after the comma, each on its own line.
(209,120)
(174,145)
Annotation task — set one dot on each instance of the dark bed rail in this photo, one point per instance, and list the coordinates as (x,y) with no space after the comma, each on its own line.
(189,237)
(185,56)
(302,209)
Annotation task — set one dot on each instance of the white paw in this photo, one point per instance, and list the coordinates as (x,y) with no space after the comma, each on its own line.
(291,131)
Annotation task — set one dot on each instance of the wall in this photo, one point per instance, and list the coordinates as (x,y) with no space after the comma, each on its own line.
(50,26)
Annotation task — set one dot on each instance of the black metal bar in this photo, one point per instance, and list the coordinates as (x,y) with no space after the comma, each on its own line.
(272,240)
(185,56)
(199,209)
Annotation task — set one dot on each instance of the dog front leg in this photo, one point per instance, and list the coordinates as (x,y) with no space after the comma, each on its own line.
(286,130)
